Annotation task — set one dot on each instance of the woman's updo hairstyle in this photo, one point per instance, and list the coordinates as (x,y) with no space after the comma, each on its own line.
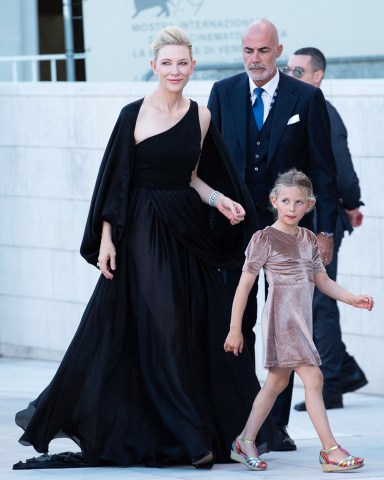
(170,36)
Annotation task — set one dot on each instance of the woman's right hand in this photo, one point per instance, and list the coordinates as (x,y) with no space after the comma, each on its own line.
(107,254)
(107,258)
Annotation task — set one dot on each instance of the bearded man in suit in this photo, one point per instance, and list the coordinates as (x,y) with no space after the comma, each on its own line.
(269,131)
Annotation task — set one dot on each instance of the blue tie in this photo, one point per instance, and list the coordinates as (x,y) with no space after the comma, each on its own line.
(258,107)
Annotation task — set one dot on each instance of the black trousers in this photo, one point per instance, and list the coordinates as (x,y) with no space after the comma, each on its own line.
(327,331)
(335,359)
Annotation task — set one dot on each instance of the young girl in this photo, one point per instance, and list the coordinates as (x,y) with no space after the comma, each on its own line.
(291,261)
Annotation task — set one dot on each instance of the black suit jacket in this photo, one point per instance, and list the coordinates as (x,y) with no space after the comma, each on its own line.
(347,180)
(304,144)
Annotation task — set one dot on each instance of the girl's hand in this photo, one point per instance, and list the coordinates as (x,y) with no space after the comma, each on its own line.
(363,301)
(230,209)
(107,258)
(234,342)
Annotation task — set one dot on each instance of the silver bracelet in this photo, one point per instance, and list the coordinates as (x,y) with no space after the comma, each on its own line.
(213,197)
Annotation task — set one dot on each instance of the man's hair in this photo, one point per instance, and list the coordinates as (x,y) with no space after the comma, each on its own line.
(318,59)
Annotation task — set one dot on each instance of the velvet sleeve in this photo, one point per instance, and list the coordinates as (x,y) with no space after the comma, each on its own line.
(318,265)
(257,253)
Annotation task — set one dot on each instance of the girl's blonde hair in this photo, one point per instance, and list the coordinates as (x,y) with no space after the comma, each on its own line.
(293,178)
(170,36)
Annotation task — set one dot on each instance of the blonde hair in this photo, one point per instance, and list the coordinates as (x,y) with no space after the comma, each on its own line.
(293,178)
(170,36)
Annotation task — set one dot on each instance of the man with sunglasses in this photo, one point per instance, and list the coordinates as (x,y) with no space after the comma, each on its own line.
(341,372)
(270,123)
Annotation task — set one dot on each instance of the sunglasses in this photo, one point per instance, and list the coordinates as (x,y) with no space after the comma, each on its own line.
(297,71)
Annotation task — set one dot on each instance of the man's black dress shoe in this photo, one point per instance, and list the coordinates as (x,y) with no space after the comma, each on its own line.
(353,381)
(285,442)
(335,402)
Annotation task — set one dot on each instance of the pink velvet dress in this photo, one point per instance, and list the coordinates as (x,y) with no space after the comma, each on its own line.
(290,263)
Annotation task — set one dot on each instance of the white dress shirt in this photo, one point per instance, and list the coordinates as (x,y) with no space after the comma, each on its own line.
(269,92)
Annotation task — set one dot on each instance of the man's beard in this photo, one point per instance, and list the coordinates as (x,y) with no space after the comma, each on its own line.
(260,72)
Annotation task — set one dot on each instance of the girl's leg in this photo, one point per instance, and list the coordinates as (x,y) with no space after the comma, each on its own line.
(277,380)
(313,383)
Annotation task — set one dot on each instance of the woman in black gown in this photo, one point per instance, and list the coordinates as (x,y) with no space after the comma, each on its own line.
(145,379)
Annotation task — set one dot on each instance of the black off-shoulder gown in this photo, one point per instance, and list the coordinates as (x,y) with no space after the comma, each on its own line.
(145,379)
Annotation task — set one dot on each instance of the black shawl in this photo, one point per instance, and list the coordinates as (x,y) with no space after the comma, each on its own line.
(110,196)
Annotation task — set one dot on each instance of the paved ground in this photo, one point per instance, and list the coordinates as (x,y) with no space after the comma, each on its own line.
(359,427)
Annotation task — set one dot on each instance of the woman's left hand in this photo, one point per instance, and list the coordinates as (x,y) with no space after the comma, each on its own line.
(230,209)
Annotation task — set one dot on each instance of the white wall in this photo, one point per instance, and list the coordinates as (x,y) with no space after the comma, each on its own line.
(52,137)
